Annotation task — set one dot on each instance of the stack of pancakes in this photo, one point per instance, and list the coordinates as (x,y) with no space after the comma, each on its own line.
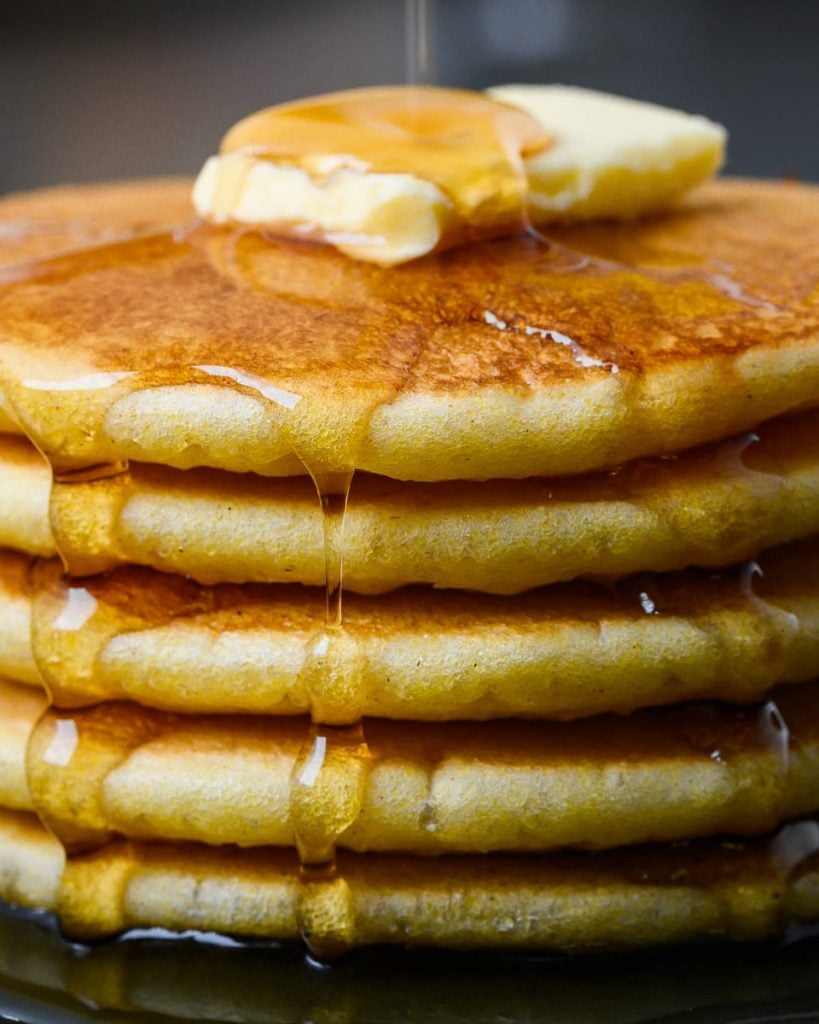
(570,701)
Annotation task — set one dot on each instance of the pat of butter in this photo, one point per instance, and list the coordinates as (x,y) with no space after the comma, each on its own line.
(608,157)
(380,218)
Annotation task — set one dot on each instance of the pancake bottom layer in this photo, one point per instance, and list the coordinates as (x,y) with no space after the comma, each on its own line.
(621,899)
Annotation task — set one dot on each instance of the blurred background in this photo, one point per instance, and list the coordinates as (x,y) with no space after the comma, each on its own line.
(121,88)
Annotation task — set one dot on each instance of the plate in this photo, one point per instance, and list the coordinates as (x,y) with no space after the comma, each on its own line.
(156,978)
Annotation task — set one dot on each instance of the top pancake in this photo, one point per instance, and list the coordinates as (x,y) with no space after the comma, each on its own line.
(504,359)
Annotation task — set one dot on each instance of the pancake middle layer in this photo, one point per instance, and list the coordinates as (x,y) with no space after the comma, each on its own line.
(656,775)
(565,651)
(709,507)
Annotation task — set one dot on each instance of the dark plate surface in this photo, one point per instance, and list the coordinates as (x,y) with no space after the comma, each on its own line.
(45,979)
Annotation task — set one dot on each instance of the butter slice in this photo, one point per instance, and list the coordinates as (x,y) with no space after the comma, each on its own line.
(611,156)
(380,218)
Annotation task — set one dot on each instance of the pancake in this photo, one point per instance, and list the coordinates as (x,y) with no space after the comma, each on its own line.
(500,360)
(48,221)
(561,902)
(24,519)
(562,652)
(183,381)
(663,774)
(711,507)
(65,218)
(31,862)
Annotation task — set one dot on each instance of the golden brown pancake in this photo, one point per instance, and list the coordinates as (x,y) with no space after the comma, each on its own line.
(663,774)
(710,507)
(747,890)
(505,359)
(50,221)
(559,652)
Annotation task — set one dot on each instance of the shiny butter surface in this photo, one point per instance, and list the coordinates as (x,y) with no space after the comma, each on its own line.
(385,174)
(390,174)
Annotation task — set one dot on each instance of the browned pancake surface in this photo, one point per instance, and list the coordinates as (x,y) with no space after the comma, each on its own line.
(715,299)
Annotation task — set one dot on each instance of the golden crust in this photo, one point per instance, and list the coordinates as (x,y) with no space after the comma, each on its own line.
(559,652)
(562,902)
(709,312)
(656,775)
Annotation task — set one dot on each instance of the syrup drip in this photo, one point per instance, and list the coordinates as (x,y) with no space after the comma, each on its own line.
(330,774)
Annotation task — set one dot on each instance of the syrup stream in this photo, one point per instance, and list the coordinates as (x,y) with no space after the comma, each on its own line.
(419,41)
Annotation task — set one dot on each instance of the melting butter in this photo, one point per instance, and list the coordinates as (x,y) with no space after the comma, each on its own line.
(611,156)
(385,174)
(392,173)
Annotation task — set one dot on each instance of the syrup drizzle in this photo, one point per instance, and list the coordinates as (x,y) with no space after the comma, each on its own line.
(329,776)
(579,354)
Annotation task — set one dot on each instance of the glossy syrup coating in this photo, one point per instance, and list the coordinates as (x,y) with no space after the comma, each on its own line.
(502,359)
(466,144)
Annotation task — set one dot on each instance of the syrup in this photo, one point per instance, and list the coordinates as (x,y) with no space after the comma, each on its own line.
(419,41)
(330,775)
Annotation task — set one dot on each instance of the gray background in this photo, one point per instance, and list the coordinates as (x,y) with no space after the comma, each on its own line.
(120,88)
